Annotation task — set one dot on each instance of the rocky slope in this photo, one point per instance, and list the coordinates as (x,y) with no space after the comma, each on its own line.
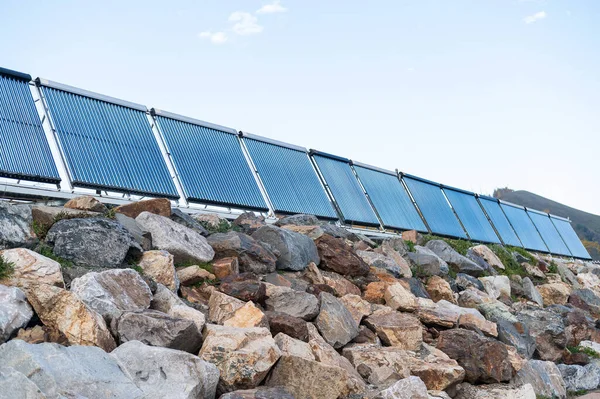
(142,301)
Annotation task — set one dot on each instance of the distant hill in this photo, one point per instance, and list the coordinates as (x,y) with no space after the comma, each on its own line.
(586,225)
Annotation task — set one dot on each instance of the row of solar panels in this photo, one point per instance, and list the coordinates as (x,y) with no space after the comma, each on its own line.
(114,145)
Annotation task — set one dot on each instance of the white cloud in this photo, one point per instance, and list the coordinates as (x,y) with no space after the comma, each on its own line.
(245,23)
(215,38)
(535,17)
(272,8)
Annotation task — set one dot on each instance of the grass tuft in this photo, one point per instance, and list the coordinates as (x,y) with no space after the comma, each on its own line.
(7,269)
(511,266)
(46,251)
(580,349)
(223,227)
(410,245)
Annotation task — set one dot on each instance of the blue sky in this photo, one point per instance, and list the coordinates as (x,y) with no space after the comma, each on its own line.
(476,94)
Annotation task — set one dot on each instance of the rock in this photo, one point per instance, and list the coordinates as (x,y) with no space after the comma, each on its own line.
(112,292)
(15,226)
(298,220)
(46,216)
(157,206)
(407,388)
(293,347)
(312,232)
(14,384)
(296,250)
(412,236)
(247,290)
(396,250)
(436,369)
(488,255)
(335,322)
(378,366)
(439,289)
(313,275)
(222,307)
(455,260)
(91,242)
(416,287)
(259,393)
(307,379)
(375,292)
(533,270)
(476,322)
(243,356)
(427,263)
(247,316)
(580,378)
(568,276)
(594,346)
(484,359)
(586,299)
(252,256)
(548,330)
(399,298)
(142,237)
(225,267)
(578,325)
(442,313)
(517,335)
(495,286)
(193,275)
(291,326)
(249,222)
(188,221)
(291,302)
(382,261)
(357,307)
(544,377)
(212,222)
(473,298)
(15,311)
(40,334)
(160,266)
(340,285)
(554,293)
(339,257)
(531,292)
(158,329)
(167,373)
(64,311)
(31,267)
(167,302)
(496,391)
(397,329)
(182,242)
(86,203)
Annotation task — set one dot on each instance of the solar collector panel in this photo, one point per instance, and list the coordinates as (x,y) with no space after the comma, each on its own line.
(549,234)
(566,231)
(524,227)
(471,215)
(499,220)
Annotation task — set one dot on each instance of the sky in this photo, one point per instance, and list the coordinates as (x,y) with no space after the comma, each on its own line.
(476,94)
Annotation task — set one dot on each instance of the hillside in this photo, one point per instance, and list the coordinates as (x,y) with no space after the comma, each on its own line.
(586,225)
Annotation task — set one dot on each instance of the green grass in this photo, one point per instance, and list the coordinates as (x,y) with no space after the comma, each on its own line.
(588,351)
(553,267)
(223,227)
(410,245)
(511,266)
(41,229)
(137,268)
(523,252)
(46,251)
(202,265)
(6,268)
(111,213)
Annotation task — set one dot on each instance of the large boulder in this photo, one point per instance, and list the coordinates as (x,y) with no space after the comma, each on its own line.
(455,260)
(158,329)
(496,286)
(112,292)
(16,226)
(246,290)
(186,220)
(340,257)
(252,256)
(249,222)
(395,249)
(437,370)
(580,378)
(69,372)
(399,298)
(495,391)
(63,311)
(158,206)
(222,307)
(484,359)
(296,250)
(14,384)
(182,242)
(31,267)
(243,356)
(439,289)
(15,311)
(548,330)
(544,377)
(427,263)
(396,267)
(397,329)
(308,379)
(407,388)
(293,347)
(335,322)
(247,316)
(294,303)
(165,301)
(377,365)
(358,307)
(556,293)
(91,242)
(160,266)
(488,255)
(167,373)
(586,299)
(142,237)
(291,326)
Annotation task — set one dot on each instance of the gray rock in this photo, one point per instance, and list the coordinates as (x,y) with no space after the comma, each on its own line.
(296,250)
(167,373)
(15,311)
(548,330)
(417,288)
(186,220)
(585,299)
(568,276)
(259,393)
(338,232)
(531,292)
(71,372)
(185,244)
(382,262)
(253,257)
(427,263)
(494,391)
(142,237)
(291,302)
(298,220)
(397,244)
(545,378)
(407,388)
(464,281)
(249,222)
(508,333)
(480,261)
(15,226)
(92,242)
(112,292)
(335,322)
(580,378)
(158,329)
(454,259)
(16,385)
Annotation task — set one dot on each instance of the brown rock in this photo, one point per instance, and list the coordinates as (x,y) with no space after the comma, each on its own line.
(158,206)
(41,334)
(161,267)
(222,307)
(488,255)
(472,322)
(439,289)
(31,268)
(193,275)
(247,316)
(313,232)
(340,257)
(194,295)
(484,359)
(86,203)
(435,368)
(357,307)
(292,326)
(225,267)
(47,215)
(555,293)
(293,347)
(247,290)
(61,310)
(340,285)
(397,329)
(249,222)
(399,298)
(412,236)
(375,292)
(379,365)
